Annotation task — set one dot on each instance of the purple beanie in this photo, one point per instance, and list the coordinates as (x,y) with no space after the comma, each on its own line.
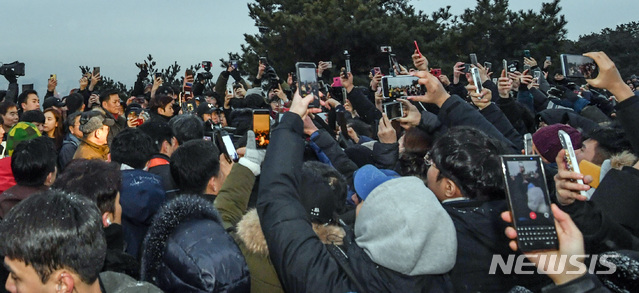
(546,140)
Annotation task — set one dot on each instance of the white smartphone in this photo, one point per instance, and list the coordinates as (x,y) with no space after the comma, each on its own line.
(571,158)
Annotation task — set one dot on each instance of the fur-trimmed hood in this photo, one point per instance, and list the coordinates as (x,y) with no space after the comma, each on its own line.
(623,159)
(249,231)
(187,247)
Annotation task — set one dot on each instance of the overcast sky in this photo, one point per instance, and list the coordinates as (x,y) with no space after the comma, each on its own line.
(58,36)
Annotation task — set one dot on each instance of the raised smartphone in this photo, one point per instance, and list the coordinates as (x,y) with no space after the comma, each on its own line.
(307,82)
(529,203)
(402,86)
(578,66)
(476,79)
(393,110)
(528,150)
(571,158)
(262,127)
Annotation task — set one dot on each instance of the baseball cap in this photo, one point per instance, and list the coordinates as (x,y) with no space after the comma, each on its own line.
(51,102)
(368,177)
(205,108)
(90,121)
(19,133)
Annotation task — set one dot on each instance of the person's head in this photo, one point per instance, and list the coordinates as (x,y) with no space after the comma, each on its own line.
(162,105)
(208,112)
(187,127)
(162,135)
(465,163)
(19,133)
(323,192)
(97,180)
(546,141)
(53,124)
(110,101)
(33,162)
(75,103)
(9,113)
(95,127)
(601,144)
(238,90)
(34,116)
(132,147)
(195,167)
(366,179)
(53,102)
(61,247)
(72,124)
(223,121)
(28,100)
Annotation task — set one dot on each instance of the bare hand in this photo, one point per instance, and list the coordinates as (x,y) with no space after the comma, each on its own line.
(609,77)
(385,131)
(568,190)
(504,85)
(309,126)
(420,62)
(435,92)
(412,116)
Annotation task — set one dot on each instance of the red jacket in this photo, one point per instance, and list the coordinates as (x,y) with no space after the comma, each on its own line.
(6,174)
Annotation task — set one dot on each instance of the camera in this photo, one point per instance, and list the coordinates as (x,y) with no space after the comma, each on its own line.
(385,49)
(17,68)
(206,65)
(270,80)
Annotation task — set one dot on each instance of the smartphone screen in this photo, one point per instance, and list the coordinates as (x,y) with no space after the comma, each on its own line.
(528,144)
(229,147)
(527,53)
(476,79)
(393,110)
(402,86)
(262,127)
(578,66)
(395,64)
(529,202)
(307,82)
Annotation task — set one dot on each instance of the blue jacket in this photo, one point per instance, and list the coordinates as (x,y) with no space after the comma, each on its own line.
(141,196)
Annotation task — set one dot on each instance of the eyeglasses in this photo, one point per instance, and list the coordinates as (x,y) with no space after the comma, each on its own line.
(428,160)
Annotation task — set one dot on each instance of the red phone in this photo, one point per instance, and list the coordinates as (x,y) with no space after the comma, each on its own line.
(417,47)
(436,71)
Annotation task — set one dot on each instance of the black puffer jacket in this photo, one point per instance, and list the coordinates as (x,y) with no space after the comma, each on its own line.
(188,250)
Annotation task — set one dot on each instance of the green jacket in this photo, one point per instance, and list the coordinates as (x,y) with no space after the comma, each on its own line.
(232,203)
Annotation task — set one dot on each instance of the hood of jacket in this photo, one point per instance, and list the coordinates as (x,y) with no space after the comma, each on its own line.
(188,250)
(402,226)
(249,231)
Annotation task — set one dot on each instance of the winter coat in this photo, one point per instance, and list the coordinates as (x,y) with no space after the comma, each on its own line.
(159,165)
(480,236)
(627,116)
(141,196)
(616,196)
(14,195)
(116,259)
(188,250)
(112,282)
(88,150)
(119,125)
(232,202)
(67,151)
(6,174)
(305,264)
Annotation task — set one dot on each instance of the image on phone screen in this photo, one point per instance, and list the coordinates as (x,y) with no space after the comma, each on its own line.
(393,110)
(402,86)
(529,202)
(578,66)
(262,128)
(307,82)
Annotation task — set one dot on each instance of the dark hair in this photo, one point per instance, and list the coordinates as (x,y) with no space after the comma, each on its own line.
(610,141)
(32,116)
(74,102)
(23,97)
(33,160)
(187,127)
(97,180)
(360,127)
(132,147)
(470,158)
(193,164)
(159,101)
(70,121)
(5,105)
(331,177)
(411,161)
(52,230)
(104,96)
(58,132)
(159,131)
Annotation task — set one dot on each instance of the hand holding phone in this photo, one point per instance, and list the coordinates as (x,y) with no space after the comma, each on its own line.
(476,80)
(571,159)
(417,48)
(262,127)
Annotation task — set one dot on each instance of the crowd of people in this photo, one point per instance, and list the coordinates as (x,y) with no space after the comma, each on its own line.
(131,192)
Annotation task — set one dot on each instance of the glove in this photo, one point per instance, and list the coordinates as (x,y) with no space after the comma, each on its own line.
(11,78)
(253,157)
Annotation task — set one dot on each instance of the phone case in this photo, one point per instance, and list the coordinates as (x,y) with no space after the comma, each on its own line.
(588,168)
(476,79)
(571,158)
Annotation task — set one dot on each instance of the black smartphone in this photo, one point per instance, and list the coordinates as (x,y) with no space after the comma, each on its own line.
(340,118)
(261,127)
(158,75)
(527,53)
(96,71)
(578,66)
(529,203)
(223,140)
(264,61)
(402,86)
(394,64)
(467,68)
(347,61)
(27,87)
(488,65)
(513,66)
(473,59)
(393,110)
(307,82)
